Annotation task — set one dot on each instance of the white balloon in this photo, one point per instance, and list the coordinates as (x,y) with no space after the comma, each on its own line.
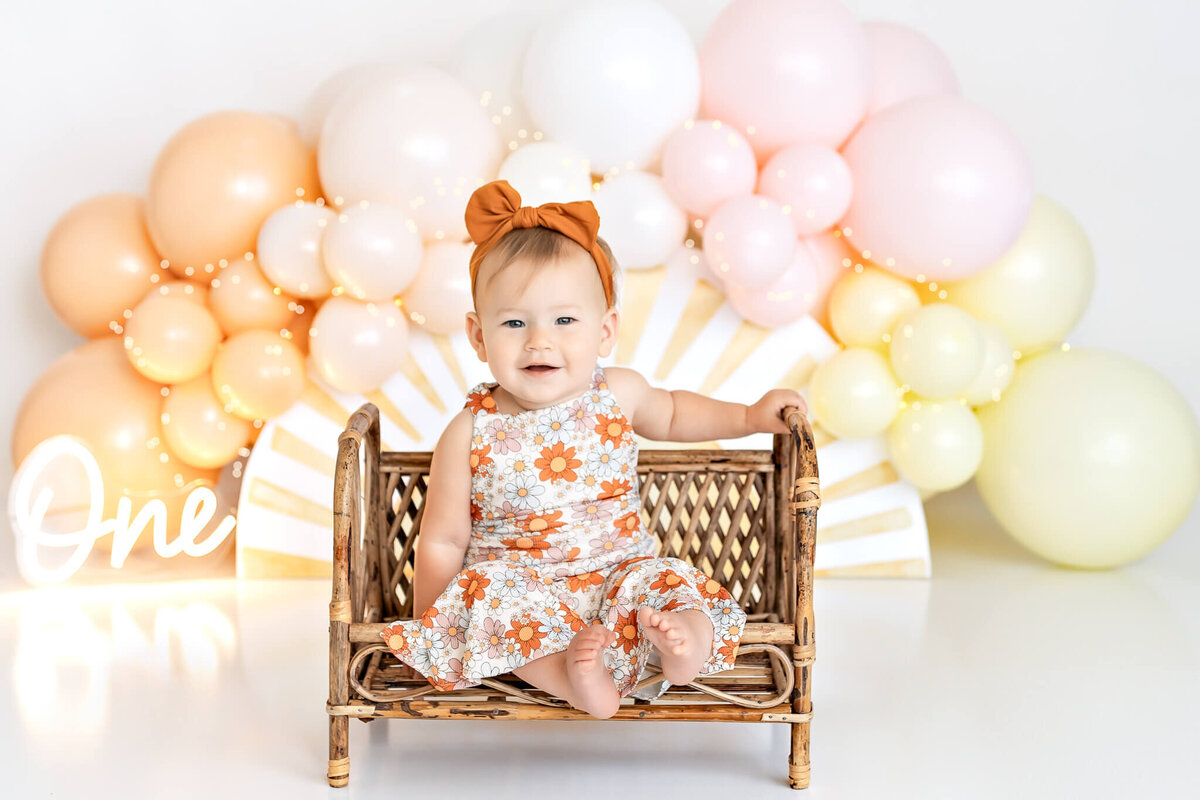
(373,250)
(419,141)
(487,60)
(595,67)
(341,84)
(638,219)
(548,172)
(439,297)
(355,345)
(289,249)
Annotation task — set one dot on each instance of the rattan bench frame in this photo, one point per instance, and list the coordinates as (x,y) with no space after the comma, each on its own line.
(376,512)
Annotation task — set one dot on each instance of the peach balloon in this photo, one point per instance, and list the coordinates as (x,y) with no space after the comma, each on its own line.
(171,339)
(195,291)
(297,327)
(439,297)
(258,374)
(92,392)
(198,428)
(215,182)
(355,345)
(242,298)
(97,262)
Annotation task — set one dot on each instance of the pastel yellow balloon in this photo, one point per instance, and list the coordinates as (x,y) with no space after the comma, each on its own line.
(1091,458)
(242,298)
(197,427)
(937,350)
(996,371)
(853,393)
(935,445)
(864,307)
(1037,292)
(170,338)
(258,374)
(98,261)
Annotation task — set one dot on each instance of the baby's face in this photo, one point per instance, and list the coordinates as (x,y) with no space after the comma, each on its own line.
(559,319)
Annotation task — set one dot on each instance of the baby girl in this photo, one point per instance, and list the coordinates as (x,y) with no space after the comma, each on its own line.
(532,557)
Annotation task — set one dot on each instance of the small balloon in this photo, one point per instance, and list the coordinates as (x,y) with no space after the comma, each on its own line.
(373,250)
(749,240)
(439,297)
(258,374)
(289,249)
(355,346)
(643,226)
(864,307)
(242,298)
(197,427)
(171,339)
(936,446)
(853,393)
(705,163)
(937,350)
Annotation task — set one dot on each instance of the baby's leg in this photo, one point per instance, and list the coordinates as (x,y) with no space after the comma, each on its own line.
(577,674)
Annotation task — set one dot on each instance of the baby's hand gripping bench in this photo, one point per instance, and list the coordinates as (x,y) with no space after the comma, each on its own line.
(746,517)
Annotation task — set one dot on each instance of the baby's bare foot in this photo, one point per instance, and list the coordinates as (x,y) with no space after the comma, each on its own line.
(593,687)
(680,646)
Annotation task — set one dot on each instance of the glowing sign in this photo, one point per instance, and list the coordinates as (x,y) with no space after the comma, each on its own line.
(27,514)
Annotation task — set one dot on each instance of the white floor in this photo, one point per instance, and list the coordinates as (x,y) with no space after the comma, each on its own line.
(1000,677)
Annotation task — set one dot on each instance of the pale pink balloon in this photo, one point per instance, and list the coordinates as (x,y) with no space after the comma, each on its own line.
(705,163)
(834,258)
(942,188)
(785,71)
(750,240)
(439,298)
(813,181)
(905,64)
(785,299)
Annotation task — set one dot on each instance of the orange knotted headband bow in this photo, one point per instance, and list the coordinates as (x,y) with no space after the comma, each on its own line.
(495,209)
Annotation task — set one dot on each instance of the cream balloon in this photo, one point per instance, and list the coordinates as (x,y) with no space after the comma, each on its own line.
(642,225)
(171,339)
(355,346)
(215,182)
(439,297)
(198,429)
(853,393)
(935,445)
(1037,292)
(865,306)
(936,350)
(289,249)
(996,371)
(548,172)
(373,250)
(242,298)
(1091,459)
(339,86)
(420,141)
(97,262)
(258,374)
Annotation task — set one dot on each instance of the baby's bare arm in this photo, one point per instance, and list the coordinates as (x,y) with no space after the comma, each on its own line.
(682,416)
(446,520)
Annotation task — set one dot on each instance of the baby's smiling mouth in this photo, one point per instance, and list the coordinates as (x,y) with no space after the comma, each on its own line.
(540,368)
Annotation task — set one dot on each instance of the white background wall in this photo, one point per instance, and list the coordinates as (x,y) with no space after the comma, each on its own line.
(1102,93)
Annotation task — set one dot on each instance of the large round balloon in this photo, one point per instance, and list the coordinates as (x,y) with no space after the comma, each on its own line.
(92,392)
(336,88)
(1039,289)
(786,72)
(942,188)
(355,346)
(905,63)
(97,262)
(258,374)
(597,65)
(215,182)
(1091,458)
(419,141)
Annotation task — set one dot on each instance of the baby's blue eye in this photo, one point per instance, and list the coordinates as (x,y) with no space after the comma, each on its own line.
(567,318)
(513,320)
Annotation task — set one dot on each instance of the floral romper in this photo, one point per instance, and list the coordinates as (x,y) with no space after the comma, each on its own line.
(557,541)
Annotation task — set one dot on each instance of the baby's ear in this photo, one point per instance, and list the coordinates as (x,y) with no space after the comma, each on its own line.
(609,328)
(475,335)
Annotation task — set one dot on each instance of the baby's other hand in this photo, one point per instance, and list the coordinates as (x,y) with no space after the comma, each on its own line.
(764,416)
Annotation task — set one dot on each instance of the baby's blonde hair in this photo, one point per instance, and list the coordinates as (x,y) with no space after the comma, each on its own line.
(540,246)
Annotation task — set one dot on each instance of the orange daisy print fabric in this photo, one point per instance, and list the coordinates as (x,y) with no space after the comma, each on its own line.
(557,542)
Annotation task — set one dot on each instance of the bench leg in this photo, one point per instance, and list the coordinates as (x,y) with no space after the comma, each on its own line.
(339,751)
(798,759)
